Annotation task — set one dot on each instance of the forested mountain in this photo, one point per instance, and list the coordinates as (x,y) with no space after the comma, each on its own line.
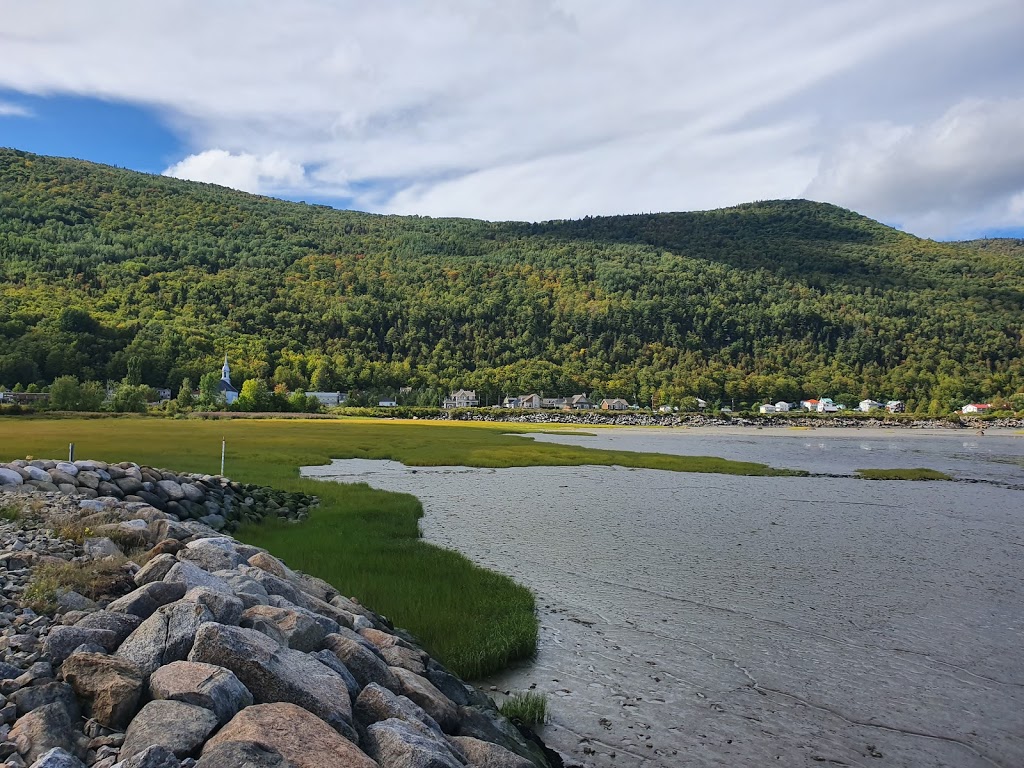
(765,301)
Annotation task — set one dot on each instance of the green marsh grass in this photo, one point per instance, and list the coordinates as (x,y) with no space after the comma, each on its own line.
(920,473)
(364,541)
(527,708)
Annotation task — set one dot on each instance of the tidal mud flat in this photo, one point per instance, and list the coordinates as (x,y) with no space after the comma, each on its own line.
(722,620)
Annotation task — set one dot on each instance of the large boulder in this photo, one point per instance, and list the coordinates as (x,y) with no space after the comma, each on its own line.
(241,754)
(276,674)
(155,569)
(299,628)
(108,686)
(121,624)
(58,758)
(171,488)
(212,554)
(366,666)
(205,685)
(144,601)
(182,728)
(423,692)
(10,477)
(44,729)
(191,575)
(397,744)
(303,739)
(376,704)
(274,585)
(484,754)
(165,636)
(63,640)
(226,609)
(488,725)
(39,695)
(156,756)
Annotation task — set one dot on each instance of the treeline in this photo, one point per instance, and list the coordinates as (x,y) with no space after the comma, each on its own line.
(763,302)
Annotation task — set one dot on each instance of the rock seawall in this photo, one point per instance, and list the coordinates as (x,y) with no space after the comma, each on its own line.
(151,640)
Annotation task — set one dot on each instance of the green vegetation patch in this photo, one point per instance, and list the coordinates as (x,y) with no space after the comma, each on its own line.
(526,708)
(364,541)
(920,473)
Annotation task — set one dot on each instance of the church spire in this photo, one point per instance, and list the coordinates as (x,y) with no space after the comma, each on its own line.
(225,372)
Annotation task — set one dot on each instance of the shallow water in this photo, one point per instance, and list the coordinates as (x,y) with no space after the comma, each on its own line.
(717,620)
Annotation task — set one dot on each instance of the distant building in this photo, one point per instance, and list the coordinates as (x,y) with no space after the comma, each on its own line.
(163,394)
(462,398)
(529,401)
(665,409)
(579,403)
(767,408)
(614,404)
(329,399)
(387,403)
(782,407)
(23,398)
(809,405)
(976,408)
(825,405)
(895,406)
(510,402)
(553,402)
(225,386)
(701,404)
(869,405)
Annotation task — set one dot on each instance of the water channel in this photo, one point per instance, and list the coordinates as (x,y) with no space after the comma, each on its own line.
(715,620)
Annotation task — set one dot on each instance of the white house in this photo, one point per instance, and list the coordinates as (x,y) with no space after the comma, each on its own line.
(976,408)
(701,404)
(387,403)
(869,405)
(614,404)
(553,402)
(529,401)
(329,399)
(767,408)
(664,409)
(462,398)
(225,386)
(825,405)
(782,407)
(809,405)
(510,402)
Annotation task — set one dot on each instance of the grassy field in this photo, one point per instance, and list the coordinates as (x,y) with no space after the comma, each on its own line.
(362,540)
(920,473)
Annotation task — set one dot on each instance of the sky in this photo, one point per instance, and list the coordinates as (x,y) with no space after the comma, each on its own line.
(908,111)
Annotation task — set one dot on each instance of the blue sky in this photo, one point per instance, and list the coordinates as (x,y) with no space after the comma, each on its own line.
(910,113)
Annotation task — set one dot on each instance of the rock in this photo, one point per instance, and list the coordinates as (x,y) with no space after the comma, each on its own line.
(109,686)
(88,479)
(101,547)
(36,473)
(299,630)
(303,739)
(58,758)
(423,692)
(68,601)
(155,569)
(63,640)
(204,685)
(407,658)
(36,696)
(165,636)
(10,477)
(276,674)
(484,754)
(128,485)
(172,489)
(191,575)
(192,492)
(44,729)
(145,600)
(67,468)
(157,756)
(246,589)
(376,704)
(182,728)
(488,725)
(398,744)
(364,665)
(226,609)
(121,624)
(212,554)
(328,659)
(241,754)
(271,564)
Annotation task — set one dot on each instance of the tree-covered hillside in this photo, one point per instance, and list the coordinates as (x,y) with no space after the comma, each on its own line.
(764,301)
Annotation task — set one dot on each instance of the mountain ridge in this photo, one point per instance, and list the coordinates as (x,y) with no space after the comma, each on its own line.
(765,300)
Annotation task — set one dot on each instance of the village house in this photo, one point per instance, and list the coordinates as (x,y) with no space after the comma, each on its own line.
(614,404)
(869,405)
(665,409)
(579,403)
(826,405)
(462,398)
(809,405)
(701,404)
(553,402)
(387,403)
(767,408)
(976,408)
(529,401)
(895,406)
(329,399)
(510,402)
(782,407)
(23,398)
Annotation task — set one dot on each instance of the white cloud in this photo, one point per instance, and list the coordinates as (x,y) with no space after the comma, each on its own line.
(943,177)
(265,174)
(14,110)
(533,109)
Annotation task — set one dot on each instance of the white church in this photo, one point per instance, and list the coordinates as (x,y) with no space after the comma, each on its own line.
(225,386)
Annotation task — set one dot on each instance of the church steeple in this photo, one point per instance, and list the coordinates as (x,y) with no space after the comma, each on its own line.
(225,372)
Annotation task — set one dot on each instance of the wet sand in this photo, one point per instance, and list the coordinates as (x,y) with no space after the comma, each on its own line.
(719,620)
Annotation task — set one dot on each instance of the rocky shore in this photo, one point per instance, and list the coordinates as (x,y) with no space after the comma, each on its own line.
(135,637)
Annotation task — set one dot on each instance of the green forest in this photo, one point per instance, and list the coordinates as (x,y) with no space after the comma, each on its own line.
(107,272)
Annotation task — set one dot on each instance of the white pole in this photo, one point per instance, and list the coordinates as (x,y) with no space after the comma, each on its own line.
(223,444)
